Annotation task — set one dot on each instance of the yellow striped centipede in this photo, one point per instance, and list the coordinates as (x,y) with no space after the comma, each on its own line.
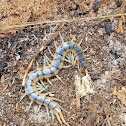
(34,89)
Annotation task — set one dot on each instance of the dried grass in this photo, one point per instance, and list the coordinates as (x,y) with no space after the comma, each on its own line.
(17,12)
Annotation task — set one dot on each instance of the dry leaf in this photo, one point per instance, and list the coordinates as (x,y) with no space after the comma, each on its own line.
(2,79)
(84,87)
(121,95)
(120,29)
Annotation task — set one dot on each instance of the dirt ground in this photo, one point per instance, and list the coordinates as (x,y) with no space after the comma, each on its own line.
(102,101)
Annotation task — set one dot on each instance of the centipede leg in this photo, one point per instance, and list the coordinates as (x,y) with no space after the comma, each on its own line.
(37,64)
(47,109)
(40,87)
(44,64)
(59,78)
(58,118)
(78,67)
(67,66)
(47,93)
(62,118)
(80,42)
(67,60)
(53,117)
(50,52)
(22,97)
(73,59)
(73,38)
(70,58)
(62,108)
(56,99)
(47,59)
(38,109)
(87,59)
(42,83)
(61,38)
(49,82)
(86,56)
(56,75)
(55,45)
(85,49)
(41,90)
(30,105)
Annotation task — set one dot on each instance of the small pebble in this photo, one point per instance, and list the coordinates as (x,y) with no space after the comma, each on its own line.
(108,28)
(96,5)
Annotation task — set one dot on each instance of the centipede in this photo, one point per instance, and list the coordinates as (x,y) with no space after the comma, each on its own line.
(34,86)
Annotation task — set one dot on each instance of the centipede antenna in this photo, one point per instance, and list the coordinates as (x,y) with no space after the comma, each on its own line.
(50,82)
(73,38)
(50,52)
(59,78)
(38,109)
(37,64)
(42,83)
(30,105)
(53,117)
(47,109)
(22,97)
(61,38)
(55,44)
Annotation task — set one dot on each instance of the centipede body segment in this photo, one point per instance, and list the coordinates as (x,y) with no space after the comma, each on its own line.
(33,87)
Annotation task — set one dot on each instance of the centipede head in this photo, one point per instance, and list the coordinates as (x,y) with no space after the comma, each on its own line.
(85,64)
